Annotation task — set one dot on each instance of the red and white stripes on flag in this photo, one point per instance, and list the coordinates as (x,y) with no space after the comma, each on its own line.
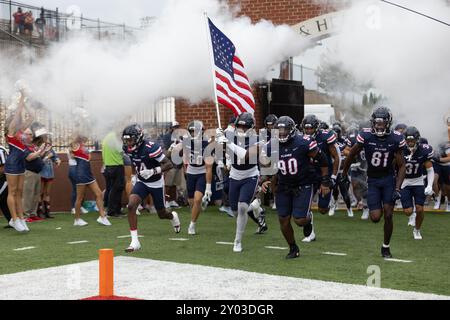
(232,85)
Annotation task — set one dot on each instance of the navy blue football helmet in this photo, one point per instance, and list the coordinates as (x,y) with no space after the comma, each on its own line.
(244,124)
(132,137)
(286,129)
(381,121)
(310,124)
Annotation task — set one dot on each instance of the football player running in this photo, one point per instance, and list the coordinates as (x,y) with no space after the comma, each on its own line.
(149,161)
(326,142)
(381,146)
(417,156)
(296,177)
(242,147)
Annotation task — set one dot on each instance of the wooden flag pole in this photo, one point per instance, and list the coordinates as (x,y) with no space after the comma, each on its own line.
(213,72)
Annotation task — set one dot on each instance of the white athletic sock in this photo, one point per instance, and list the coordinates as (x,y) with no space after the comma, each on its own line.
(241,221)
(134,236)
(385,245)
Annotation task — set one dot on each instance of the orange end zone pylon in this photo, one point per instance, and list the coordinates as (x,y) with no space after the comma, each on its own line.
(106,272)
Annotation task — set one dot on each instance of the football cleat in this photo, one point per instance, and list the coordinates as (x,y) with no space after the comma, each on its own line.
(294,252)
(227,210)
(332,209)
(416,234)
(412,220)
(365,214)
(175,222)
(133,247)
(350,213)
(237,247)
(262,225)
(310,238)
(386,252)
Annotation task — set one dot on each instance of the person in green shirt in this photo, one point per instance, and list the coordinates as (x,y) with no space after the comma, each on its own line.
(112,156)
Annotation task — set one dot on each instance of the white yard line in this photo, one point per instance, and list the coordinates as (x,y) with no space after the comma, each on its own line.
(227,243)
(77,242)
(128,236)
(80,280)
(24,248)
(334,253)
(178,239)
(276,248)
(398,260)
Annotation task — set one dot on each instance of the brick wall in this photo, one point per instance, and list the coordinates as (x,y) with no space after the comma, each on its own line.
(279,12)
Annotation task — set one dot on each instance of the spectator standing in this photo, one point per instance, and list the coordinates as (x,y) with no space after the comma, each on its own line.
(40,23)
(19,18)
(28,23)
(112,155)
(32,183)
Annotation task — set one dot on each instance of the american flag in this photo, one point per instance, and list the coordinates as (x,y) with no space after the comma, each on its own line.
(232,86)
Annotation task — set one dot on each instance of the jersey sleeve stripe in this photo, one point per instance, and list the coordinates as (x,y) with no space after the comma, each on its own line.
(402,143)
(332,138)
(360,139)
(312,145)
(156,153)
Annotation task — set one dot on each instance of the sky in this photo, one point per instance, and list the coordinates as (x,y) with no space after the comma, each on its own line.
(117,11)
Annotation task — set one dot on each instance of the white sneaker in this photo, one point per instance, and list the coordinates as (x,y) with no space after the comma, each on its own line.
(134,246)
(448,205)
(350,213)
(274,206)
(174,204)
(237,247)
(104,221)
(72,211)
(417,235)
(311,237)
(17,225)
(227,210)
(437,202)
(152,210)
(83,210)
(80,223)
(332,209)
(191,229)
(412,220)
(24,224)
(365,214)
(398,205)
(175,222)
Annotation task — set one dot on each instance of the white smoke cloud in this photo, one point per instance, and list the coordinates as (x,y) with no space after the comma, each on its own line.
(170,59)
(406,56)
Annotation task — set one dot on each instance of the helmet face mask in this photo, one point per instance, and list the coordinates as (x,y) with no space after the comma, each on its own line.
(412,138)
(286,129)
(244,125)
(132,137)
(310,124)
(381,121)
(196,129)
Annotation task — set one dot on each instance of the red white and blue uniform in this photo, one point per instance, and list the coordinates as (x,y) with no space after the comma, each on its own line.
(83,173)
(18,151)
(296,176)
(148,156)
(196,168)
(379,152)
(413,188)
(325,139)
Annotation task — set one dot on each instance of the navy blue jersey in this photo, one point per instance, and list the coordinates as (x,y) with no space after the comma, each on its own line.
(380,151)
(324,139)
(147,156)
(246,143)
(295,167)
(360,157)
(194,150)
(415,161)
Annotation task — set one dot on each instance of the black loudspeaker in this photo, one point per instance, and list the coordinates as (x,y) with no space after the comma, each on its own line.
(283,98)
